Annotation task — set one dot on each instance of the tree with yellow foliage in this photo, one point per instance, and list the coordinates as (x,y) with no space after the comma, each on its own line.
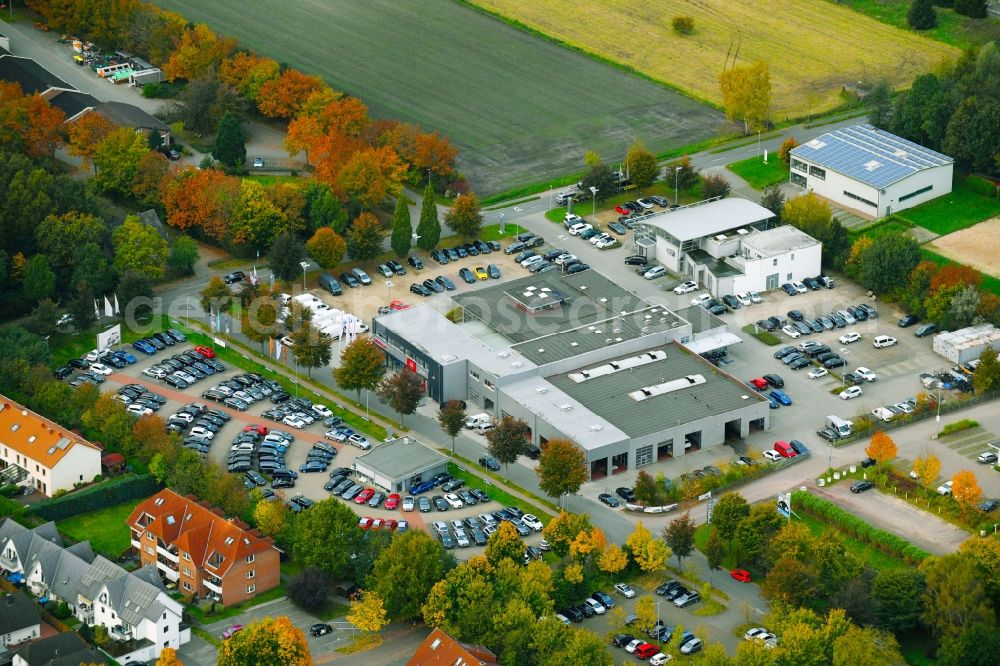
(649,553)
(588,542)
(746,94)
(267,641)
(368,612)
(927,469)
(169,658)
(613,559)
(573,573)
(881,448)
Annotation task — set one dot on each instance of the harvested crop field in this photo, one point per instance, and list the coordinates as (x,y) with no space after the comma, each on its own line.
(977,246)
(813,47)
(520,108)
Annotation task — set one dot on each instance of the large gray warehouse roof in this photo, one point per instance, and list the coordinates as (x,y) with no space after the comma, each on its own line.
(400,458)
(617,394)
(708,219)
(871,156)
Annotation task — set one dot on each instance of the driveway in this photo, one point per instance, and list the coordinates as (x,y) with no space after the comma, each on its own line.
(892,514)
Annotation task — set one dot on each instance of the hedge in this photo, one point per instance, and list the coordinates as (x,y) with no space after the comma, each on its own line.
(957,426)
(96,497)
(828,512)
(981,185)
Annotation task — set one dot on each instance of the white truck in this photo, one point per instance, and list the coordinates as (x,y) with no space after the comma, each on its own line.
(478,421)
(840,426)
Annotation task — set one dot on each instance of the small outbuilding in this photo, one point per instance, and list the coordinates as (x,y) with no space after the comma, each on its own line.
(967,344)
(399,464)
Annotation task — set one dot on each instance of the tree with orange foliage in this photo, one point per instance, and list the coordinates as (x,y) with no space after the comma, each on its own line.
(168,657)
(881,448)
(282,97)
(951,275)
(330,134)
(85,133)
(198,54)
(371,175)
(435,152)
(965,489)
(28,123)
(248,72)
(203,198)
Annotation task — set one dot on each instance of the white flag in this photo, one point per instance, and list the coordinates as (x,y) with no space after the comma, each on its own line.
(97,309)
(277,350)
(117,311)
(108,310)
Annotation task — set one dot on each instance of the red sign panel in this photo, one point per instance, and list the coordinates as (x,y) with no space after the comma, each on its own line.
(411,365)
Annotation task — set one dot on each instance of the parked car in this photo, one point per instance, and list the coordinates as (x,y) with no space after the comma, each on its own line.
(861,486)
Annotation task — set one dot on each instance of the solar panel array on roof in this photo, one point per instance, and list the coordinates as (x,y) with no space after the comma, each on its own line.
(869,155)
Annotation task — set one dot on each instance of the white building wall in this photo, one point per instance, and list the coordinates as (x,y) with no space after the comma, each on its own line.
(81,463)
(21,635)
(801,263)
(939,179)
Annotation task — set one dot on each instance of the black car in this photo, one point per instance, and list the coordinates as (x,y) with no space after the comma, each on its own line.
(861,486)
(989,505)
(283,482)
(417,288)
(396,267)
(795,315)
(493,272)
(235,276)
(836,362)
(610,500)
(490,463)
(621,640)
(636,260)
(63,372)
(666,587)
(785,351)
(774,380)
(433,285)
(925,330)
(467,276)
(799,363)
(908,320)
(573,614)
(625,493)
(320,629)
(514,247)
(78,363)
(439,503)
(576,268)
(812,283)
(765,325)
(445,282)
(789,289)
(731,302)
(415,262)
(349,280)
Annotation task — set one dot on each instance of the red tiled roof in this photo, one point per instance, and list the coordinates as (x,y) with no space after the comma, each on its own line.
(34,436)
(198,528)
(440,649)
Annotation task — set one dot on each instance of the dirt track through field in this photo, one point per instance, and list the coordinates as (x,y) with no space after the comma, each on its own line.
(978,246)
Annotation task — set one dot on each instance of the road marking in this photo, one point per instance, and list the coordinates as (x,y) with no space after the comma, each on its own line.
(517,209)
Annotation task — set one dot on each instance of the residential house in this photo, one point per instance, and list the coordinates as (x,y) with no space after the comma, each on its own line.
(66,649)
(194,545)
(19,619)
(440,649)
(37,452)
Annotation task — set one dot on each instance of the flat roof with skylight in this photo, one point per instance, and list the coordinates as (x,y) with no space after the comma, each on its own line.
(655,390)
(709,218)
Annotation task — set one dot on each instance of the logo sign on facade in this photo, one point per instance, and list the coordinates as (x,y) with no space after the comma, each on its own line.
(378,343)
(411,365)
(785,504)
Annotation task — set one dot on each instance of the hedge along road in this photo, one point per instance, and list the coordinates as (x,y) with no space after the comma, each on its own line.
(520,108)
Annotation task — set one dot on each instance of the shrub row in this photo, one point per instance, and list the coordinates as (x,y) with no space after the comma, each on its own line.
(981,185)
(97,497)
(963,424)
(828,512)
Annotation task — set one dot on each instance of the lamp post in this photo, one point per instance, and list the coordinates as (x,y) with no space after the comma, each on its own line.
(593,208)
(658,613)
(677,176)
(937,418)
(388,284)
(304,265)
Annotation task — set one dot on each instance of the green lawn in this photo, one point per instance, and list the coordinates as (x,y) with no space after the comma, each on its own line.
(273,180)
(758,173)
(492,231)
(876,558)
(105,528)
(232,611)
(881,227)
(951,28)
(960,209)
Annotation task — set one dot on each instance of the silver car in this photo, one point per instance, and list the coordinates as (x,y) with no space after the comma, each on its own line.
(655,272)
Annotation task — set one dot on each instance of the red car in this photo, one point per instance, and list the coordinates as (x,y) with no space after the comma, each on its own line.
(365,522)
(398,305)
(759,382)
(364,495)
(207,352)
(262,430)
(741,575)
(646,650)
(392,501)
(390,524)
(621,210)
(232,631)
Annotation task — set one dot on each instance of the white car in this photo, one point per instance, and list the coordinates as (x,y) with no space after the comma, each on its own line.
(359,441)
(565,259)
(594,239)
(631,647)
(202,433)
(597,606)
(190,379)
(124,399)
(571,219)
(848,338)
(532,522)
(904,407)
(645,204)
(659,659)
(322,410)
(816,373)
(686,287)
(944,488)
(258,162)
(883,341)
(453,501)
(698,300)
(64,319)
(755,297)
(92,356)
(790,331)
(625,590)
(754,633)
(865,374)
(462,539)
(772,455)
(294,421)
(408,503)
(532,260)
(799,287)
(607,243)
(850,392)
(744,298)
(579,228)
(655,272)
(183,416)
(138,410)
(158,373)
(100,369)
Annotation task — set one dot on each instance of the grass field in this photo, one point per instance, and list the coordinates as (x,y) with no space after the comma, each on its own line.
(105,528)
(951,28)
(813,47)
(960,209)
(520,108)
(758,174)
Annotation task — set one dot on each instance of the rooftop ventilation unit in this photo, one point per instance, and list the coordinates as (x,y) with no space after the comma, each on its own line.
(742,232)
(516,364)
(597,427)
(503,353)
(667,387)
(619,365)
(566,407)
(720,237)
(542,389)
(816,144)
(872,165)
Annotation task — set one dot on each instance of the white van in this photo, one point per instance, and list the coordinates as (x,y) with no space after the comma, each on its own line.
(478,421)
(883,414)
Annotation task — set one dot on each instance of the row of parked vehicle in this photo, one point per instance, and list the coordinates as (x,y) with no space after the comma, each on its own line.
(139,401)
(810,283)
(186,368)
(473,249)
(432,286)
(243,390)
(575,225)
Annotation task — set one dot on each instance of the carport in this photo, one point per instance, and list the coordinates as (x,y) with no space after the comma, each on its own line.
(399,464)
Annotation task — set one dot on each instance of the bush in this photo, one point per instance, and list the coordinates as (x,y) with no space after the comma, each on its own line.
(8,490)
(96,497)
(785,152)
(981,186)
(309,590)
(971,8)
(922,15)
(714,185)
(683,25)
(957,426)
(62,611)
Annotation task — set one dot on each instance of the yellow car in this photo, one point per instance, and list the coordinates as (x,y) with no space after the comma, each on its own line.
(481,273)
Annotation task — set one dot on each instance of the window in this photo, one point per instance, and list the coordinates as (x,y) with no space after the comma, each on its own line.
(250,558)
(185,571)
(774,262)
(851,195)
(164,615)
(799,165)
(644,455)
(149,549)
(474,374)
(251,574)
(816,172)
(916,193)
(488,384)
(788,278)
(186,556)
(150,536)
(187,586)
(251,589)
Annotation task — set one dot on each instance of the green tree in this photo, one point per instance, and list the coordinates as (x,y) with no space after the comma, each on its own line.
(267,641)
(898,594)
(465,217)
(407,570)
(879,103)
(977,645)
(679,535)
(973,133)
(642,167)
(971,8)
(326,247)
(684,173)
(714,185)
(646,489)
(39,281)
(812,215)
(117,159)
(81,307)
(310,589)
(922,15)
(216,296)
(715,550)
(955,597)
(311,348)
(139,248)
(259,322)
(451,418)
(402,229)
(429,227)
(364,240)
(507,440)
(230,141)
(887,263)
(754,533)
(362,365)
(93,270)
(562,468)
(183,256)
(60,238)
(324,209)
(401,391)
(43,318)
(728,513)
(987,376)
(285,257)
(773,199)
(599,176)
(326,522)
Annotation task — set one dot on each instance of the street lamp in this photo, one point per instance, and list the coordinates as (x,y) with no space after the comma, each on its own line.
(304,265)
(658,613)
(677,176)
(593,208)
(388,283)
(937,418)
